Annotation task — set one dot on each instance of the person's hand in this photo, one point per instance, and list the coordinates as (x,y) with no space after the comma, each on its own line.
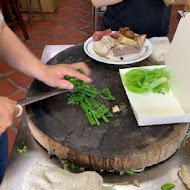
(8,111)
(53,75)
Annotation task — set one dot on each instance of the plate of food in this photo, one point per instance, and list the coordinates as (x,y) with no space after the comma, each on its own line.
(118,47)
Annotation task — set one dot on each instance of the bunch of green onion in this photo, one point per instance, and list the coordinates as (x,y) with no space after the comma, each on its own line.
(85,96)
(143,80)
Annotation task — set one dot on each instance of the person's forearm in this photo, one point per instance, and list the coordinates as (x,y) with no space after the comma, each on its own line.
(14,53)
(100,3)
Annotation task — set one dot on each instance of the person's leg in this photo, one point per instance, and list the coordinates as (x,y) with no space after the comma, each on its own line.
(3,154)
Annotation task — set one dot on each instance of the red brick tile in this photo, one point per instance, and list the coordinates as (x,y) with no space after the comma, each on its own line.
(171,35)
(57,41)
(87,9)
(28,43)
(77,24)
(18,96)
(18,32)
(64,10)
(17,125)
(86,2)
(88,19)
(11,139)
(78,5)
(76,37)
(60,30)
(37,18)
(40,37)
(61,19)
(37,51)
(4,68)
(21,79)
(173,24)
(45,24)
(175,9)
(89,30)
(78,14)
(30,29)
(6,87)
(50,15)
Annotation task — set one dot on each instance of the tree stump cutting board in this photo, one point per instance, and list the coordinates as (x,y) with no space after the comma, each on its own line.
(64,130)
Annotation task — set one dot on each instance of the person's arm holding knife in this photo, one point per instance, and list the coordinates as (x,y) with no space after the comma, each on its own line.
(14,53)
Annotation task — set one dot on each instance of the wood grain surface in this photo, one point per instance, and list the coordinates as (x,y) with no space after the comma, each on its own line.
(64,130)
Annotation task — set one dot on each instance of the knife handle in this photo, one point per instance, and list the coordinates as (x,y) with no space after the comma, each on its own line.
(19,110)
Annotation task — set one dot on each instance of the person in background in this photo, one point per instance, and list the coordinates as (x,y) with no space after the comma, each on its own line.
(15,54)
(151,17)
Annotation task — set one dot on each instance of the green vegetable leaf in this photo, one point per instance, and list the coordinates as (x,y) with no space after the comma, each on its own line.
(73,166)
(106,95)
(129,172)
(21,151)
(144,80)
(28,156)
(168,186)
(85,96)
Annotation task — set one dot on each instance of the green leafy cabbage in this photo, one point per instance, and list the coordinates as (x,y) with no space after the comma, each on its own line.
(143,80)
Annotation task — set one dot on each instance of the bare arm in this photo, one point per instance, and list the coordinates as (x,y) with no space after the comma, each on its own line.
(13,52)
(100,3)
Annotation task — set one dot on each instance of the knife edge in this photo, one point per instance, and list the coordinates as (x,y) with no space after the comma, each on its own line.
(36,98)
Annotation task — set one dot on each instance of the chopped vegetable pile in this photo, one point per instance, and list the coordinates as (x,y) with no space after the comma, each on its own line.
(129,172)
(144,80)
(85,96)
(168,186)
(28,156)
(21,151)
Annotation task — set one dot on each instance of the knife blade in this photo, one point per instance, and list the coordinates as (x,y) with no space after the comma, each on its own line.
(36,98)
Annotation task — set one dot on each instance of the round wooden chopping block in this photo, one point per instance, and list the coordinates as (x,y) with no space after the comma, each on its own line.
(64,130)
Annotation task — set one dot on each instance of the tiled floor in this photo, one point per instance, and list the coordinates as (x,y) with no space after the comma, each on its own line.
(71,23)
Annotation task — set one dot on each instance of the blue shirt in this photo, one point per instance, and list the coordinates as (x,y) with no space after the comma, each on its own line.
(151,17)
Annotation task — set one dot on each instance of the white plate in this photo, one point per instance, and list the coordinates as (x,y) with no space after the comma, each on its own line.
(134,58)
